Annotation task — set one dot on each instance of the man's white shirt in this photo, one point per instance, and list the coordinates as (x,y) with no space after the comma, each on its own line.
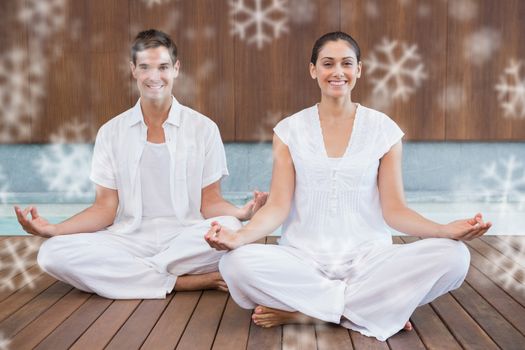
(196,160)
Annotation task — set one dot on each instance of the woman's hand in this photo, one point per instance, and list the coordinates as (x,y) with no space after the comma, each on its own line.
(36,225)
(466,229)
(221,238)
(250,208)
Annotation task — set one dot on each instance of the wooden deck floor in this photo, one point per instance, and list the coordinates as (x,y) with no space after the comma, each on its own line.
(36,311)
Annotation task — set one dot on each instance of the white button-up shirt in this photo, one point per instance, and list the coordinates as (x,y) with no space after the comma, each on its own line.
(197,159)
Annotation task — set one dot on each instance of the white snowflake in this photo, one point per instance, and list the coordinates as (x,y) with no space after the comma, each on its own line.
(15,92)
(264,130)
(65,167)
(395,70)
(207,32)
(462,10)
(45,17)
(73,132)
(504,183)
(151,3)
(452,98)
(512,258)
(511,90)
(188,87)
(17,260)
(4,342)
(480,46)
(371,9)
(301,11)
(258,24)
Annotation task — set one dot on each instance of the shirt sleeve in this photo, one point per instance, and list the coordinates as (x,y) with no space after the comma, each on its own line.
(282,130)
(215,166)
(102,171)
(392,134)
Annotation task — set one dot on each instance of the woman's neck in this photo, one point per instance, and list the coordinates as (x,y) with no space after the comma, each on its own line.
(335,108)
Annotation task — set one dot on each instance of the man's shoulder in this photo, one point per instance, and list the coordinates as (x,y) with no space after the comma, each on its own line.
(191,117)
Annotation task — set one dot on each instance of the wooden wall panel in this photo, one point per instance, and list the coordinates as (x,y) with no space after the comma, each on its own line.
(200,29)
(82,50)
(273,81)
(64,64)
(479,51)
(15,106)
(421,26)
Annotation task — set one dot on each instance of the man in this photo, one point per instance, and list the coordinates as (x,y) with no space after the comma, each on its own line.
(157,169)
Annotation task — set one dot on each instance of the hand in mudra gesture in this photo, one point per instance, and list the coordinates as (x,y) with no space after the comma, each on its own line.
(466,229)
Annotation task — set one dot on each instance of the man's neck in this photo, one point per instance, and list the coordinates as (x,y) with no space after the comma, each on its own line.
(155,112)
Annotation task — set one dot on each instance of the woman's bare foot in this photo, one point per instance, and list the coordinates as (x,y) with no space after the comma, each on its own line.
(212,280)
(408,326)
(267,317)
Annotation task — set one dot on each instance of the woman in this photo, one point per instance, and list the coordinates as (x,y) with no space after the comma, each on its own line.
(336,184)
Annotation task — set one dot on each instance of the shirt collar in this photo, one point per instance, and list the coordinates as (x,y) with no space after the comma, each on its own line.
(173,115)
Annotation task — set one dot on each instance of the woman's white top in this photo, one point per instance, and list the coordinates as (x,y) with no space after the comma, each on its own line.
(155,181)
(336,209)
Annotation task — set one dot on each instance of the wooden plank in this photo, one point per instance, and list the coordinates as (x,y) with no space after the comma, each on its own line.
(432,330)
(264,338)
(465,329)
(72,328)
(498,276)
(406,340)
(26,314)
(136,329)
(234,328)
(24,295)
(516,242)
(37,330)
(331,336)
(501,301)
(103,329)
(362,342)
(299,336)
(506,249)
(21,280)
(499,329)
(171,325)
(498,259)
(204,322)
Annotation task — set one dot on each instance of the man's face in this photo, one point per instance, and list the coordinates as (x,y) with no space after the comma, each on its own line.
(155,73)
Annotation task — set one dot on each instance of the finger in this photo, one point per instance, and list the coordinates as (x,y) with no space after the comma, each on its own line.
(26,211)
(34,213)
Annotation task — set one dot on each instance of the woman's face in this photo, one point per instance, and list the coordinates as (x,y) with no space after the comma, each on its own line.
(336,69)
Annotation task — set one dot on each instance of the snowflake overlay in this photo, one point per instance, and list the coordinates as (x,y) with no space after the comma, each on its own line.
(480,46)
(301,11)
(187,87)
(395,69)
(463,10)
(252,21)
(14,95)
(18,261)
(4,342)
(265,129)
(452,98)
(507,186)
(66,167)
(511,90)
(512,258)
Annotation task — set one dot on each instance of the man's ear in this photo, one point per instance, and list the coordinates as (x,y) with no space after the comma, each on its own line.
(176,67)
(132,67)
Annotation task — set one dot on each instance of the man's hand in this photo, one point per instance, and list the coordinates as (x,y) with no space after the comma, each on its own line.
(221,238)
(466,229)
(250,208)
(36,225)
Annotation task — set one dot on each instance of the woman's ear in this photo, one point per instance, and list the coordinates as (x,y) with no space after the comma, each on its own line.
(313,71)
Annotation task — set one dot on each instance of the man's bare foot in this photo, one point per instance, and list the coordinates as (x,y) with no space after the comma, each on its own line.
(212,280)
(267,317)
(408,326)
